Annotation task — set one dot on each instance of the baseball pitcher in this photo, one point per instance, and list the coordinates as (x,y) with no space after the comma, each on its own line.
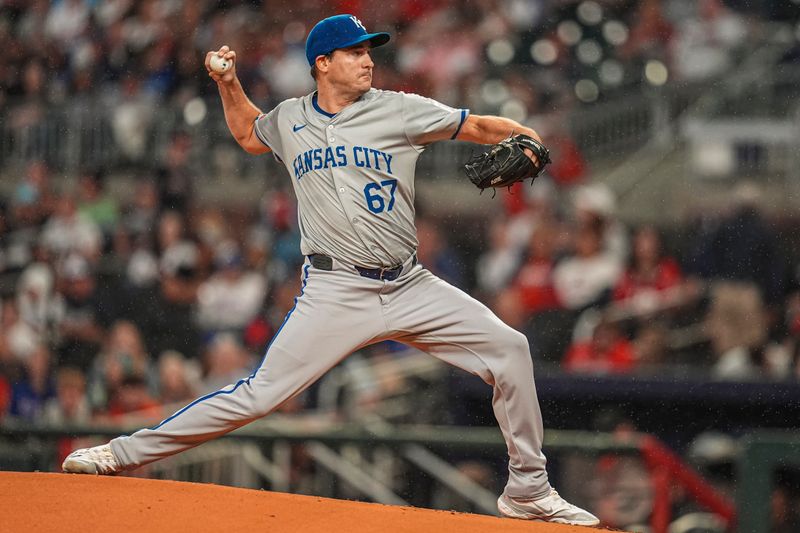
(351,151)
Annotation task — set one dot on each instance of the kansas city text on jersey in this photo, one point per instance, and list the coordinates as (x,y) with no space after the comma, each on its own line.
(337,156)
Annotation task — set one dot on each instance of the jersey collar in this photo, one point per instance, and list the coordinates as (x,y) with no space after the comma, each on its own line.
(369,95)
(318,109)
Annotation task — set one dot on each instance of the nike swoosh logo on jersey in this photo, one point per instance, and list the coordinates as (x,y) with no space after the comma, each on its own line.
(297,128)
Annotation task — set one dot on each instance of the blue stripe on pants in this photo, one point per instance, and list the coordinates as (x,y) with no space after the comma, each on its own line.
(251,376)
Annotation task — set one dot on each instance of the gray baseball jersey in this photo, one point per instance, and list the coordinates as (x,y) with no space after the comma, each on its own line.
(353,173)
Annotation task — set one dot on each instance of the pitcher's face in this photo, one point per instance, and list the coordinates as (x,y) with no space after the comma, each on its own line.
(350,69)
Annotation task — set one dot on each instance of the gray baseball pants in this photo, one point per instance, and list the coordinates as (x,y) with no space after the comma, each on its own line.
(338,312)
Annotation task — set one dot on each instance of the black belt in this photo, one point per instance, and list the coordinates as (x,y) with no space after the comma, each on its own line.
(323,262)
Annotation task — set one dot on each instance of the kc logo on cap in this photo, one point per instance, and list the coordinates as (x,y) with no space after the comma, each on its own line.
(357,22)
(339,31)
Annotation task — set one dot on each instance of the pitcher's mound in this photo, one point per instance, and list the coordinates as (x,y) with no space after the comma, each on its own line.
(35,502)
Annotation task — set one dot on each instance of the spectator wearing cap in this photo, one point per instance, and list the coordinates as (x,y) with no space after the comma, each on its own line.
(78,325)
(233,296)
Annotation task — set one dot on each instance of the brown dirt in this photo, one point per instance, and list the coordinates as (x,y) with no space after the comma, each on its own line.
(38,502)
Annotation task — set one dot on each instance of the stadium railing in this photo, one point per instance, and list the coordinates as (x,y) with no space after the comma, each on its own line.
(74,135)
(667,470)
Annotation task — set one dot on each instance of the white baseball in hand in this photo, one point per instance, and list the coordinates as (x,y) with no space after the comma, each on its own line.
(219,64)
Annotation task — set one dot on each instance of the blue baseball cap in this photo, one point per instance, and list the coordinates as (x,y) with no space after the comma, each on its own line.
(339,31)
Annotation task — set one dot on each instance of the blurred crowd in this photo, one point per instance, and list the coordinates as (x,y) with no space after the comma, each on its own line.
(596,296)
(113,307)
(518,57)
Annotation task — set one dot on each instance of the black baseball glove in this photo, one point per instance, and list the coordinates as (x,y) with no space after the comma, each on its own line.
(507,163)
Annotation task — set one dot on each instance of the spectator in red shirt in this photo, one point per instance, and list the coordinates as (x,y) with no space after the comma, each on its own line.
(649,273)
(607,352)
(534,282)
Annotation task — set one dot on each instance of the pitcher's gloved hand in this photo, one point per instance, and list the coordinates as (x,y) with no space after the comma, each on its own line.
(507,162)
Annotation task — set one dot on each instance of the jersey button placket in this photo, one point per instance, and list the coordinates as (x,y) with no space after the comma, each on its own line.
(342,190)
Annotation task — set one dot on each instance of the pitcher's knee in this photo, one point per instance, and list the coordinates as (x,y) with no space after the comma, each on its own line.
(514,351)
(515,343)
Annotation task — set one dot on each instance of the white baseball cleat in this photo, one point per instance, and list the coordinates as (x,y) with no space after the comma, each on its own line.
(96,460)
(550,508)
